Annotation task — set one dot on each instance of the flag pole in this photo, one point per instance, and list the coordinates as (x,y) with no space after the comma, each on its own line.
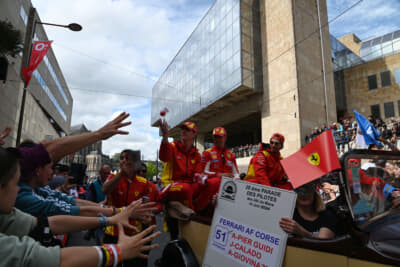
(30,33)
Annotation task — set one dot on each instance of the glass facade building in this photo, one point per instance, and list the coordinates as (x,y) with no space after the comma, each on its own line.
(381,46)
(222,54)
(206,68)
(342,57)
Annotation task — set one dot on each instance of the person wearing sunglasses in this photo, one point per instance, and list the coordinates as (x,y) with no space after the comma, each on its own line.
(265,167)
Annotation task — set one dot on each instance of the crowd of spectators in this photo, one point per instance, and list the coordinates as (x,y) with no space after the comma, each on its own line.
(344,132)
(247,150)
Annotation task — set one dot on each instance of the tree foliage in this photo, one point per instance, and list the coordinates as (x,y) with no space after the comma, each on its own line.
(151,170)
(10,39)
(116,157)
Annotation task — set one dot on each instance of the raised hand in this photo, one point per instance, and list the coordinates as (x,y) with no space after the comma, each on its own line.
(133,247)
(113,127)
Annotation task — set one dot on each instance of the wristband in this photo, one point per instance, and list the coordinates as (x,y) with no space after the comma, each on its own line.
(111,252)
(107,256)
(119,253)
(101,255)
(104,261)
(103,221)
(113,210)
(113,255)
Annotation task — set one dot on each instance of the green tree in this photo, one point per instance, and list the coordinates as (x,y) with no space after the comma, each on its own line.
(151,170)
(11,39)
(116,157)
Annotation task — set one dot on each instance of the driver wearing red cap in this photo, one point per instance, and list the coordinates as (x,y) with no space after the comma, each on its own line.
(182,162)
(217,161)
(265,167)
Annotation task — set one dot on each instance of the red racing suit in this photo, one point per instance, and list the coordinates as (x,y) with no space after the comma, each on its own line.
(215,161)
(180,168)
(125,192)
(265,168)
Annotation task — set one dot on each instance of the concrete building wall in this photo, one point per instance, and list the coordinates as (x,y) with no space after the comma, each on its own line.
(39,109)
(293,99)
(359,96)
(36,125)
(352,42)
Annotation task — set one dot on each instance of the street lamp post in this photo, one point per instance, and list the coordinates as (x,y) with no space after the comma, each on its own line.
(29,35)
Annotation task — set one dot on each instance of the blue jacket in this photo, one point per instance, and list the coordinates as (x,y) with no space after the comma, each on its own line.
(44,202)
(94,191)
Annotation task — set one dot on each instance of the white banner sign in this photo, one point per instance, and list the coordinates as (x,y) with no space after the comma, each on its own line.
(245,229)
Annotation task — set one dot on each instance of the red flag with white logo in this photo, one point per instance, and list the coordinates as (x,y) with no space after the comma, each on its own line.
(316,159)
(39,50)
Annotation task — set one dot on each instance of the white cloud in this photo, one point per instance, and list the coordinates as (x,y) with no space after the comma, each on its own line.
(123,48)
(370,18)
(125,45)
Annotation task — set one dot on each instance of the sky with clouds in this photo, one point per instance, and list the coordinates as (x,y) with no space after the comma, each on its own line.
(125,45)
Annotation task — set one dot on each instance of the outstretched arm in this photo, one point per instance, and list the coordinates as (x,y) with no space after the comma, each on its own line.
(65,224)
(61,147)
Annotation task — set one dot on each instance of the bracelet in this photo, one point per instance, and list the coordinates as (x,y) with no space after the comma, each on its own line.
(121,209)
(103,221)
(119,253)
(115,255)
(109,255)
(104,261)
(113,211)
(114,252)
(100,254)
(111,259)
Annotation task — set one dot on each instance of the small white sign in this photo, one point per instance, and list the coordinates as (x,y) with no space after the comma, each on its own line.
(245,229)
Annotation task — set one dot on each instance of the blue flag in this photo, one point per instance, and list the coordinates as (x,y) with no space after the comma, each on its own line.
(371,135)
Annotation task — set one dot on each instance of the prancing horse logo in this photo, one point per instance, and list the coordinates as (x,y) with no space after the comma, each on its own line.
(314,159)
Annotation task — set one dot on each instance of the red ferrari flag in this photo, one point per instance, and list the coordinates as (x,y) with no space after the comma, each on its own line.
(311,162)
(39,50)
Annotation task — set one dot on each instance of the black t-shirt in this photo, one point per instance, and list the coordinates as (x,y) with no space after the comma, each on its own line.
(326,218)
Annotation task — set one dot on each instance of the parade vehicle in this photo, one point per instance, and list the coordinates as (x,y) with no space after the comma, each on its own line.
(369,224)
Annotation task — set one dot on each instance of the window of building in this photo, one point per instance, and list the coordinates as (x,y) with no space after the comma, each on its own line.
(23,15)
(376,111)
(389,109)
(372,82)
(385,79)
(397,76)
(43,84)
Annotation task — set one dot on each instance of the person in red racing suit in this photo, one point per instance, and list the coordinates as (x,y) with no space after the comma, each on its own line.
(216,161)
(265,167)
(182,162)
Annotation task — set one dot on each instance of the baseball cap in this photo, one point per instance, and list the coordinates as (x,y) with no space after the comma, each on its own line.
(219,131)
(189,125)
